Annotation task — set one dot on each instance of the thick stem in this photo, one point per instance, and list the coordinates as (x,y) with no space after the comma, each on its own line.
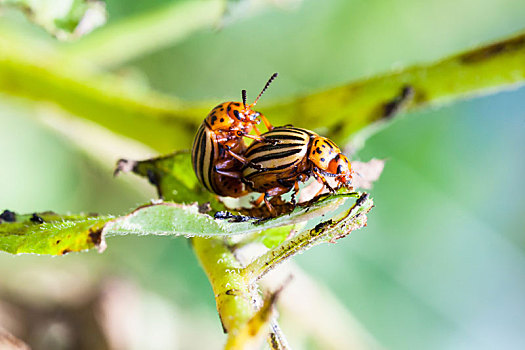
(235,301)
(164,123)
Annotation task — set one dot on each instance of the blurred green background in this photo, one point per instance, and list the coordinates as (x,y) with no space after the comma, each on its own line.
(441,264)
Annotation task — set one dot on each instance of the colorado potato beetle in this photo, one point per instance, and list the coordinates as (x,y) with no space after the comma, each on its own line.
(218,147)
(276,168)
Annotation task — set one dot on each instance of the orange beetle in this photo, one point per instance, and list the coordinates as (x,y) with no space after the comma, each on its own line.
(218,147)
(277,168)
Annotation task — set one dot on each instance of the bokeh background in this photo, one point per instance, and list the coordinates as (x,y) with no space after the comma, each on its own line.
(441,264)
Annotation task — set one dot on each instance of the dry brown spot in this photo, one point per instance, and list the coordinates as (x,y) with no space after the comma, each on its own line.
(95,236)
(487,52)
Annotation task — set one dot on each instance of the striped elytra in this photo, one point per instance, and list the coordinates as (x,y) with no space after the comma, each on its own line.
(276,168)
(275,163)
(209,159)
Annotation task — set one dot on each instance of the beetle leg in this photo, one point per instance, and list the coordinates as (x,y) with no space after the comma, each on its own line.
(255,137)
(241,159)
(262,139)
(294,193)
(234,174)
(259,200)
(320,178)
(258,137)
(268,205)
(256,129)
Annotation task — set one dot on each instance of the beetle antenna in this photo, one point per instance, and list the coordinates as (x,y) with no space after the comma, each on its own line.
(243,93)
(274,75)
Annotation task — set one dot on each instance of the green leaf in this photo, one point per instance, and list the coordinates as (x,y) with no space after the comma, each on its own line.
(173,177)
(50,233)
(186,220)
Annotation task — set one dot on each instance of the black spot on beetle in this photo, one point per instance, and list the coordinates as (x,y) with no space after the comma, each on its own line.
(236,113)
(324,146)
(213,119)
(58,241)
(339,169)
(8,216)
(229,109)
(65,251)
(322,159)
(236,104)
(222,120)
(36,219)
(315,143)
(337,157)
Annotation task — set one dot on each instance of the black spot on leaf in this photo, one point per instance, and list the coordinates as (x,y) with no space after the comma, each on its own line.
(8,216)
(36,219)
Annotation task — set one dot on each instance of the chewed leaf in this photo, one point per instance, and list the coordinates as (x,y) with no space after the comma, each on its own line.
(172,176)
(352,216)
(54,234)
(50,233)
(186,220)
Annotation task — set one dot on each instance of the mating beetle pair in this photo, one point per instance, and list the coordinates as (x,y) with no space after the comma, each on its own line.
(273,164)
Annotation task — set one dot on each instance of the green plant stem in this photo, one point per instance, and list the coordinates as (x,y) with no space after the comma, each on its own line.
(343,110)
(38,73)
(166,123)
(132,37)
(277,339)
(346,222)
(235,301)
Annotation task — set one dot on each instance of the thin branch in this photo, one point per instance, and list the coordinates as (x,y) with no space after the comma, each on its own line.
(354,106)
(276,338)
(331,230)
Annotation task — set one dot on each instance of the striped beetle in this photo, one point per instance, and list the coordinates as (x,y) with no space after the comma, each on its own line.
(276,168)
(218,147)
